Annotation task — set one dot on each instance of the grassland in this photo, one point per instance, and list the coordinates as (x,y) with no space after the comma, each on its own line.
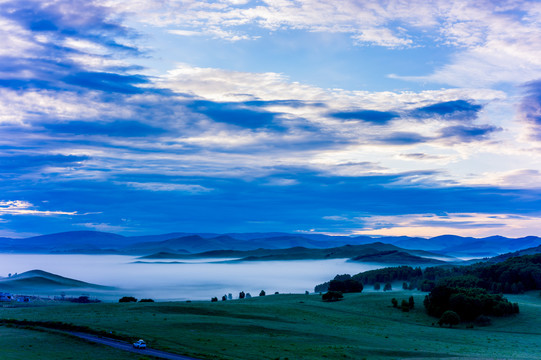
(23,344)
(362,326)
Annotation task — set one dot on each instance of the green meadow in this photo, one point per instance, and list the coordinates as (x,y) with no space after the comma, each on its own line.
(23,344)
(362,326)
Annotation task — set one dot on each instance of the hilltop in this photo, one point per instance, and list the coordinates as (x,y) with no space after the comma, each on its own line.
(39,279)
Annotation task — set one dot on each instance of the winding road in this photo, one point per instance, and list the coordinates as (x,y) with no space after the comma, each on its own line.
(122,345)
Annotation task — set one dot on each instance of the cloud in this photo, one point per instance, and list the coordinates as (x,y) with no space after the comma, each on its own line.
(530,108)
(20,207)
(455,110)
(421,156)
(154,186)
(234,113)
(117,128)
(403,138)
(15,163)
(370,116)
(432,224)
(468,133)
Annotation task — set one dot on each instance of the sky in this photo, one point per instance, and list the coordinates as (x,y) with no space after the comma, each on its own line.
(392,117)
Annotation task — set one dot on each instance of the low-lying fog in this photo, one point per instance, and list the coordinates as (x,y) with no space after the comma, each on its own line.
(192,279)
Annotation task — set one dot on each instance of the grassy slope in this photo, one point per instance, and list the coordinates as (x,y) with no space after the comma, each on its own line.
(22,344)
(303,327)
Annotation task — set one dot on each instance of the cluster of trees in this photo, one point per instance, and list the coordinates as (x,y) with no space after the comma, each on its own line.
(388,275)
(405,305)
(468,303)
(128,299)
(242,295)
(345,284)
(512,276)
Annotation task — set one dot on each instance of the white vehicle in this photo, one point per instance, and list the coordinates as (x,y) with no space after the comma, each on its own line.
(140,344)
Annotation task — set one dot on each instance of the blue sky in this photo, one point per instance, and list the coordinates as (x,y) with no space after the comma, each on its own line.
(353,117)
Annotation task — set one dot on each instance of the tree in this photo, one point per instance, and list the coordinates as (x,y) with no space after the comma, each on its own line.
(262,293)
(405,306)
(127,299)
(395,302)
(411,302)
(146,300)
(377,286)
(449,317)
(405,285)
(224,298)
(332,296)
(242,295)
(387,286)
(214,299)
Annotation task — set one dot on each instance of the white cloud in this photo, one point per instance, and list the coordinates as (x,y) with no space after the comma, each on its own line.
(20,207)
(155,186)
(463,224)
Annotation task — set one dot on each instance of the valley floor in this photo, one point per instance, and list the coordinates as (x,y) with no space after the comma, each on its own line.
(362,326)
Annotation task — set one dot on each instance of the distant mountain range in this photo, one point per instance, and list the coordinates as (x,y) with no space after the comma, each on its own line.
(95,242)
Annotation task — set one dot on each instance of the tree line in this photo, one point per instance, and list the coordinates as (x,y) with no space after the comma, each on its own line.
(512,276)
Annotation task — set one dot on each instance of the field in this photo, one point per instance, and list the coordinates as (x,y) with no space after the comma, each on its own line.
(284,327)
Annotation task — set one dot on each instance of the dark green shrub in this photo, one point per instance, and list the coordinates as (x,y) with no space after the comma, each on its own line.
(332,296)
(449,317)
(127,299)
(405,306)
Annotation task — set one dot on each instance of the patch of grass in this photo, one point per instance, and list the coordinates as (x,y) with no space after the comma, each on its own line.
(302,327)
(21,344)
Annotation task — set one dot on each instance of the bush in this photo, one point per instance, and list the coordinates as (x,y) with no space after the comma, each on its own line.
(394,302)
(377,286)
(405,306)
(214,299)
(387,287)
(332,296)
(127,299)
(411,302)
(449,317)
(146,300)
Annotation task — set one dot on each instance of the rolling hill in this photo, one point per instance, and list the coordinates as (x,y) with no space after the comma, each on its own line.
(39,279)
(366,253)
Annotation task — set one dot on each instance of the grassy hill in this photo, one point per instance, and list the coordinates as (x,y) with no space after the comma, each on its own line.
(39,279)
(362,326)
